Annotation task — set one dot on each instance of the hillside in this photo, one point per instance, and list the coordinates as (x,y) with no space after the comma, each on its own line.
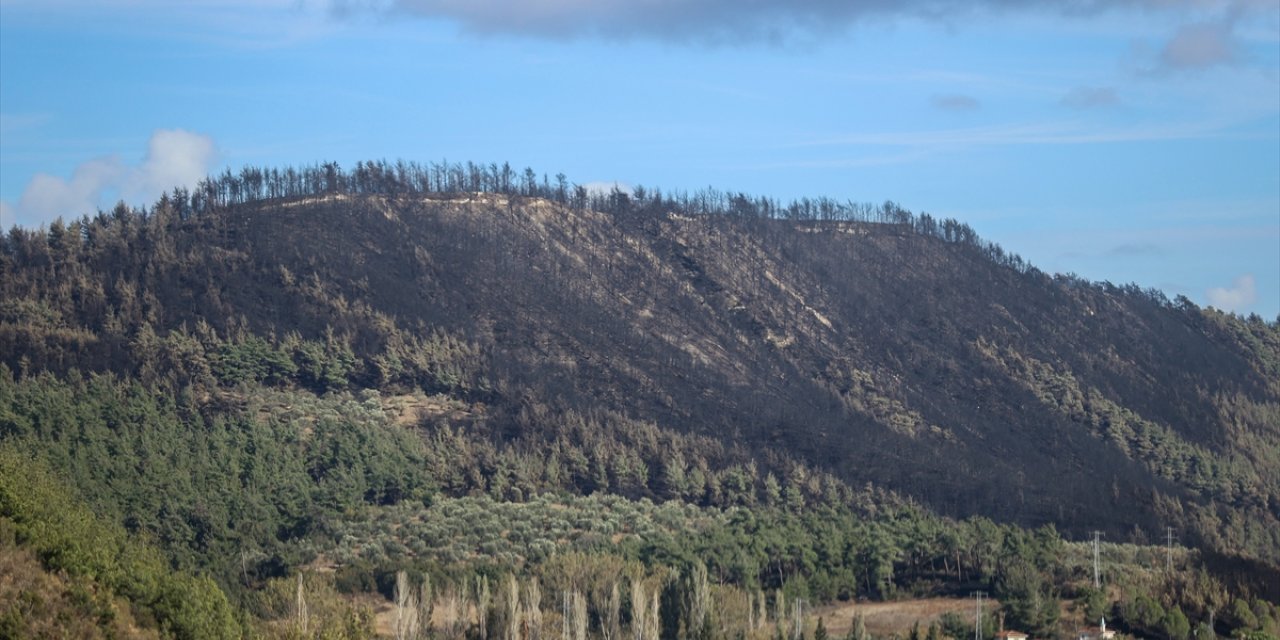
(711,348)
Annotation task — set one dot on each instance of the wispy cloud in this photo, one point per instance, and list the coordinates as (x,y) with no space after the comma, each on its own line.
(1135,249)
(733,21)
(174,158)
(857,161)
(1239,297)
(1024,134)
(716,22)
(232,24)
(955,102)
(1091,98)
(15,122)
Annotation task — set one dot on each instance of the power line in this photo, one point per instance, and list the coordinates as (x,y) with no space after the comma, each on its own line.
(1168,549)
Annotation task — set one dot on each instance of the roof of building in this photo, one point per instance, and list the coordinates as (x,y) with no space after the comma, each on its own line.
(1097,632)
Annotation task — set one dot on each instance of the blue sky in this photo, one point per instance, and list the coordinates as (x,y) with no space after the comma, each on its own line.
(1130,141)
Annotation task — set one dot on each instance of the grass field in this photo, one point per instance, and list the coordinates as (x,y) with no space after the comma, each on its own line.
(883,619)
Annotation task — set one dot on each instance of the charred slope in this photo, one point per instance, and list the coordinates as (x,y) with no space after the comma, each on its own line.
(875,351)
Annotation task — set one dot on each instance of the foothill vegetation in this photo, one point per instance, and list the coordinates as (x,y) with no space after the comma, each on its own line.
(460,401)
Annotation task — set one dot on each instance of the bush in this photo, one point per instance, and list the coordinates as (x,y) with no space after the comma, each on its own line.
(66,536)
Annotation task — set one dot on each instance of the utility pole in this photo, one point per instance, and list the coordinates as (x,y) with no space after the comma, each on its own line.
(1168,549)
(798,618)
(564,615)
(977,618)
(1097,582)
(300,608)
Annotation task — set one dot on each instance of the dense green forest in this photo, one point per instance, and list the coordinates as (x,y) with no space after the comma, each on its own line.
(492,404)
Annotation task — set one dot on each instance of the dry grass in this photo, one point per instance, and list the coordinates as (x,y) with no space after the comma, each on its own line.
(36,603)
(887,618)
(408,410)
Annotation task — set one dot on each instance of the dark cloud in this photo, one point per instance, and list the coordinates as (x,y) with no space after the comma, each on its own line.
(1199,46)
(707,21)
(955,102)
(1213,42)
(721,21)
(1091,98)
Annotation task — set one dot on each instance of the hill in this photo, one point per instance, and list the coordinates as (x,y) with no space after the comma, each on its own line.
(713,348)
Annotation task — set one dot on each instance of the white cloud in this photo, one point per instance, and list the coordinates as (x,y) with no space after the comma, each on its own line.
(47,197)
(1240,296)
(174,158)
